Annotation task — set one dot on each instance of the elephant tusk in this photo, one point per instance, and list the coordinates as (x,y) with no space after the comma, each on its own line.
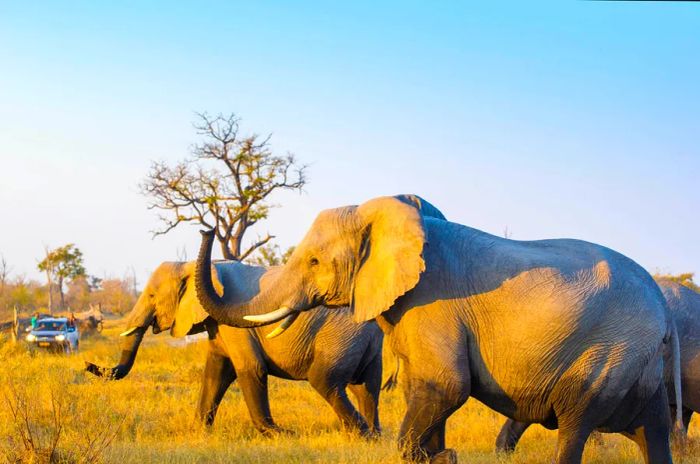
(270,317)
(128,332)
(286,323)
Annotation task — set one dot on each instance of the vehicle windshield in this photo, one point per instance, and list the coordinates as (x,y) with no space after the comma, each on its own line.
(54,326)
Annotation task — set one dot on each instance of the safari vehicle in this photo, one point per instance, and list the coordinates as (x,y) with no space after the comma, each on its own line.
(54,334)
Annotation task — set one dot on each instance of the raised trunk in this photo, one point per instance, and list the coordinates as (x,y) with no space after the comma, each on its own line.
(223,309)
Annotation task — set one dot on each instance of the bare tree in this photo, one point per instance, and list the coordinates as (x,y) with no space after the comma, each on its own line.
(181,253)
(131,279)
(4,273)
(49,275)
(507,233)
(225,185)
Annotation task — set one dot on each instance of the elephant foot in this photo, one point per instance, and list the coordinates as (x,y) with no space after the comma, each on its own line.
(275,431)
(370,434)
(679,440)
(446,456)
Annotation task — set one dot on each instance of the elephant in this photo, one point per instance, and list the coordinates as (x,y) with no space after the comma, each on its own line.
(327,347)
(684,307)
(561,332)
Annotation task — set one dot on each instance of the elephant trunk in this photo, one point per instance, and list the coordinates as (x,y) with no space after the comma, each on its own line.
(139,320)
(130,346)
(222,309)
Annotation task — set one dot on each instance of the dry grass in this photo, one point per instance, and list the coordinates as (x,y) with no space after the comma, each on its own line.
(150,416)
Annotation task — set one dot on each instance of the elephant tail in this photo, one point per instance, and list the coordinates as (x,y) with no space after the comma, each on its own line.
(679,427)
(393,379)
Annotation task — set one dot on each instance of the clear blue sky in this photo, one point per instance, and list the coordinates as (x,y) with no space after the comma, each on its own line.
(555,119)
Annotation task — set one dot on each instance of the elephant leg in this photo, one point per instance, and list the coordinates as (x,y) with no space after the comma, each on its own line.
(422,433)
(436,439)
(367,395)
(686,416)
(218,376)
(571,441)
(509,435)
(652,429)
(334,393)
(253,384)
(367,404)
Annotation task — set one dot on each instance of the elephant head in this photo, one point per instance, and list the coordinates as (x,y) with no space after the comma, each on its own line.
(167,302)
(365,257)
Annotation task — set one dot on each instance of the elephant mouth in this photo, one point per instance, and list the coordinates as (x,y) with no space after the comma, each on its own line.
(154,325)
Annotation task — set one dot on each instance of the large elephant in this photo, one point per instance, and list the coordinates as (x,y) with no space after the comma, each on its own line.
(325,347)
(684,306)
(560,332)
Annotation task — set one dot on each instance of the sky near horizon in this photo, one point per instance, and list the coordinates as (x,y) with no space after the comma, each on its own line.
(551,119)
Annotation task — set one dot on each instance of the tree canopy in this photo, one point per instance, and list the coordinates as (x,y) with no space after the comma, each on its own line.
(224,186)
(61,264)
(685,279)
(271,255)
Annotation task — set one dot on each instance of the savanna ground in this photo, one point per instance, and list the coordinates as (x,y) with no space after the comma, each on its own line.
(149,416)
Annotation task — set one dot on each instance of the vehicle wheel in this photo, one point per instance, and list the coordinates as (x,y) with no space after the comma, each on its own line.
(99,326)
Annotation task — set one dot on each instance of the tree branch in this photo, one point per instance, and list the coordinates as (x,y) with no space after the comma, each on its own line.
(225,185)
(255,246)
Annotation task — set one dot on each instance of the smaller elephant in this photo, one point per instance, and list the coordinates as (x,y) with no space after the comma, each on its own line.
(325,347)
(684,307)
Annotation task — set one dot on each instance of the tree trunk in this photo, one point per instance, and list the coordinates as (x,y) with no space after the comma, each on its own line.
(226,252)
(60,292)
(15,325)
(237,237)
(48,278)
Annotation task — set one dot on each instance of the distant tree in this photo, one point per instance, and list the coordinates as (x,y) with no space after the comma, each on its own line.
(4,274)
(23,296)
(61,264)
(685,279)
(114,295)
(94,282)
(130,280)
(79,293)
(270,255)
(27,295)
(225,186)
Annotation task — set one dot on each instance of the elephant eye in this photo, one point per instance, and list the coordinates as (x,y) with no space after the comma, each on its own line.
(313,261)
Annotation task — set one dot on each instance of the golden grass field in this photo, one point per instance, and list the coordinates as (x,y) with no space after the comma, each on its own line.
(149,416)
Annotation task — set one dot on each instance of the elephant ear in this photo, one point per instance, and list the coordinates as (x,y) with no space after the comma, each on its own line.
(189,311)
(391,258)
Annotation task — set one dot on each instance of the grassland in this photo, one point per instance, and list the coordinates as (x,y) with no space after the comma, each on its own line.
(149,417)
